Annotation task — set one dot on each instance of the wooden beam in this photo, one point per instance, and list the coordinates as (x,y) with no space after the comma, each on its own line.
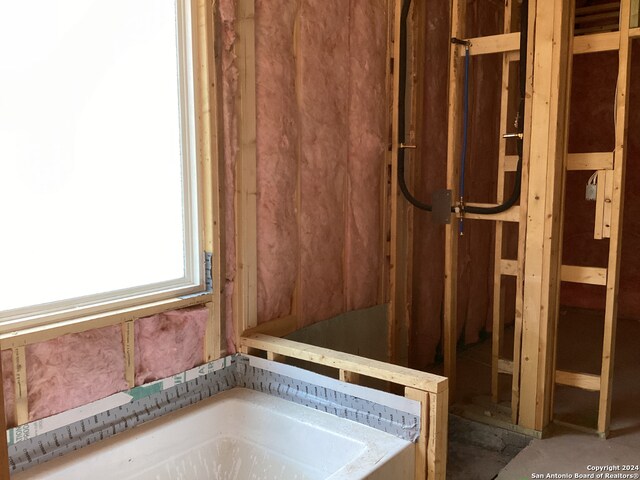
(507,43)
(4,452)
(497,334)
(617,208)
(552,38)
(438,435)
(386,177)
(16,338)
(596,42)
(398,268)
(605,7)
(596,17)
(607,210)
(599,216)
(590,161)
(509,267)
(456,77)
(210,142)
(128,339)
(511,215)
(584,381)
(422,445)
(20,383)
(587,275)
(348,377)
(274,357)
(245,291)
(502,43)
(339,360)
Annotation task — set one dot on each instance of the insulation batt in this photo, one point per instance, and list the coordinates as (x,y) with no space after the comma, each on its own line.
(73,370)
(227,11)
(79,368)
(169,343)
(277,157)
(367,122)
(321,137)
(324,94)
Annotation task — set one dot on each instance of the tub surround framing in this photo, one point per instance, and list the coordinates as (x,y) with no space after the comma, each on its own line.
(428,389)
(379,410)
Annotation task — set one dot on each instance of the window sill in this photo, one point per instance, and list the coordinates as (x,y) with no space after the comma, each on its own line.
(17,338)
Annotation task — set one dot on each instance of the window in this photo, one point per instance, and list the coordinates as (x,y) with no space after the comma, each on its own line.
(98,170)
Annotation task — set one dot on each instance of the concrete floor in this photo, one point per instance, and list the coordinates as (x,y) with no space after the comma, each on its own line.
(490,449)
(566,450)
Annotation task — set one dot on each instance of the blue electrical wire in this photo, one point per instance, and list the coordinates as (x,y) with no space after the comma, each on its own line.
(465,122)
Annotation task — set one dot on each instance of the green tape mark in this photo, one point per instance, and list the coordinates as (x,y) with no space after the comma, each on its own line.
(144,391)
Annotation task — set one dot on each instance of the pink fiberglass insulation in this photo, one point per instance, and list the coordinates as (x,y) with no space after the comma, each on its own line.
(73,370)
(8,386)
(367,129)
(324,130)
(227,11)
(169,343)
(277,157)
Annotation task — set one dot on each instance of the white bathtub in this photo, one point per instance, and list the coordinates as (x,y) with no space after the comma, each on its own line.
(239,434)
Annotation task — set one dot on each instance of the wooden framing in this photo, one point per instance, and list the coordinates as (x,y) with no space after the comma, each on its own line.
(592,43)
(400,245)
(615,244)
(245,293)
(4,449)
(553,38)
(501,266)
(533,366)
(456,78)
(128,334)
(608,224)
(430,390)
(210,141)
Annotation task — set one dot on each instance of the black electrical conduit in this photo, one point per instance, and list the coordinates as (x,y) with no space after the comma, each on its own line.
(402,67)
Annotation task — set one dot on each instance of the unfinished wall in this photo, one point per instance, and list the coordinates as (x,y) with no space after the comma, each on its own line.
(79,368)
(475,264)
(592,130)
(321,138)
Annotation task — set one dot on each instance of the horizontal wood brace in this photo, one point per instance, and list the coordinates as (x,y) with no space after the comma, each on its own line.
(43,333)
(509,267)
(606,7)
(511,215)
(587,275)
(344,361)
(505,42)
(510,42)
(590,161)
(596,42)
(585,381)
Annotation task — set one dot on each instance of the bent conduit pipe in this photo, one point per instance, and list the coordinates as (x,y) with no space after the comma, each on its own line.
(515,194)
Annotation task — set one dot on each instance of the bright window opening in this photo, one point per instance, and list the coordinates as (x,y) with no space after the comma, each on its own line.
(98,197)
